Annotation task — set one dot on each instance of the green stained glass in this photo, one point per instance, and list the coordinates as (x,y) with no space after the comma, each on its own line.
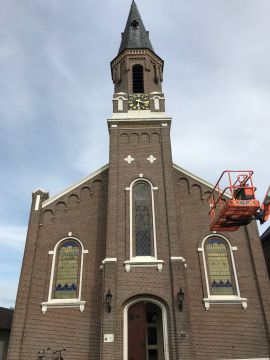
(221,281)
(67,273)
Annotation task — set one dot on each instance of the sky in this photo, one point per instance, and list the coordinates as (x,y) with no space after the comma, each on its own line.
(56,95)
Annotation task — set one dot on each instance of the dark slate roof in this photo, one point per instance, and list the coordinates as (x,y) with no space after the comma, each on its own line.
(266,234)
(6,316)
(135,36)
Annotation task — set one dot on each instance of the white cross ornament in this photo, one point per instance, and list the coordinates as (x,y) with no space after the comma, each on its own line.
(129,159)
(151,158)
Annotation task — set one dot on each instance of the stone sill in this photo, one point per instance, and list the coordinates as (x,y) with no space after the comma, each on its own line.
(62,303)
(225,300)
(143,261)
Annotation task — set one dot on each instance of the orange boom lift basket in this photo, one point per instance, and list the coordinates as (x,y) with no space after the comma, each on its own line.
(235,205)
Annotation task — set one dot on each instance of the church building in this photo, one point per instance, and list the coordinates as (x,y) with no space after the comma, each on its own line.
(122,265)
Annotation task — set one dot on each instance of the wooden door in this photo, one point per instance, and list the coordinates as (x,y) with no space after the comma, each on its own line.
(136,332)
(145,332)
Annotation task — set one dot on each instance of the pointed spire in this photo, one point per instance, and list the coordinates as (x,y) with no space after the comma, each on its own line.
(135,36)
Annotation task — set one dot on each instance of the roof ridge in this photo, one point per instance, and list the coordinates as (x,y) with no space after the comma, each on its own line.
(74,186)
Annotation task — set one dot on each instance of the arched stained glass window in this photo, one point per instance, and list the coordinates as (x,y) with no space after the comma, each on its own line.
(142,219)
(67,270)
(219,265)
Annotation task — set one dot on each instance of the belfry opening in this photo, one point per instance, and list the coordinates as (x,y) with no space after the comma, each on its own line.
(138,81)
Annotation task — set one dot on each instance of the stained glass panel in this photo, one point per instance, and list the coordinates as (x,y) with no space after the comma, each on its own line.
(66,281)
(221,281)
(142,210)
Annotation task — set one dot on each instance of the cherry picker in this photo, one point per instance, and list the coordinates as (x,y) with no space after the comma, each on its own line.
(233,202)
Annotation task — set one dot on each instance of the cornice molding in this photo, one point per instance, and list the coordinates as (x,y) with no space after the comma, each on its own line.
(137,52)
(74,186)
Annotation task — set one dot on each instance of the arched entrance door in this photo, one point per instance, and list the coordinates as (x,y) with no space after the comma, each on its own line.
(145,331)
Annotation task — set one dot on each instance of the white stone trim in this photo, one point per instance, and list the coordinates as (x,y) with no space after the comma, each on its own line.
(164,324)
(120,103)
(156,102)
(120,96)
(37,202)
(143,261)
(178,258)
(106,260)
(133,115)
(79,183)
(195,177)
(129,159)
(151,158)
(131,218)
(225,299)
(221,299)
(64,302)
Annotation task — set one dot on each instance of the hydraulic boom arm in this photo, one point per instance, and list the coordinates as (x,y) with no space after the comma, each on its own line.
(264,212)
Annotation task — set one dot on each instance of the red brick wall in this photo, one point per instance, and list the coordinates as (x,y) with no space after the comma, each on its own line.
(97,213)
(231,330)
(82,212)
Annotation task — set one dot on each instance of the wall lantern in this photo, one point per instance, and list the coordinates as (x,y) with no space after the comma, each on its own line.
(41,354)
(109,301)
(58,354)
(180,297)
(50,354)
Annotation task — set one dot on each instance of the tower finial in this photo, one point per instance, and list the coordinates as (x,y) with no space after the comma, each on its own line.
(135,36)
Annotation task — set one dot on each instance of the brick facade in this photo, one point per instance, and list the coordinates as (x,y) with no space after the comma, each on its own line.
(265,241)
(97,212)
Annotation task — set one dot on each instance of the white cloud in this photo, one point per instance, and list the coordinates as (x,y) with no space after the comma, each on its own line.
(12,236)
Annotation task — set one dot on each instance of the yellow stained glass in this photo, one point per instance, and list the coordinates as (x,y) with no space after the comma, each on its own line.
(66,281)
(221,281)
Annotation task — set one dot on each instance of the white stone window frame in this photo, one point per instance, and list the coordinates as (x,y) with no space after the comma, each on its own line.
(164,325)
(120,102)
(157,102)
(221,299)
(142,261)
(63,303)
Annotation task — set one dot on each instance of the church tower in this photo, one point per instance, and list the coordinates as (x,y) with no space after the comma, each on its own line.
(137,70)
(122,265)
(142,234)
